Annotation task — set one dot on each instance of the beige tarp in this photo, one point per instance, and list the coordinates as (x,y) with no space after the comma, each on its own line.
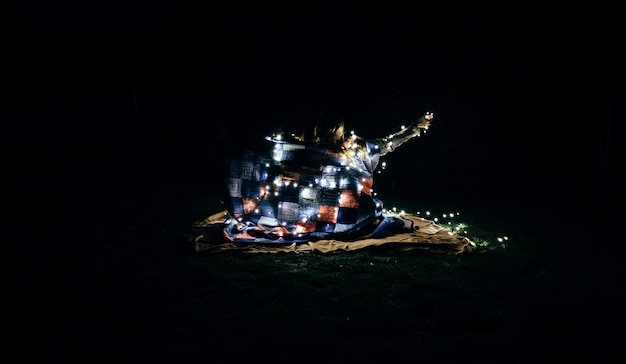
(426,235)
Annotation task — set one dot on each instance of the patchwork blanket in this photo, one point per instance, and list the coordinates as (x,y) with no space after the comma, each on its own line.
(207,236)
(300,192)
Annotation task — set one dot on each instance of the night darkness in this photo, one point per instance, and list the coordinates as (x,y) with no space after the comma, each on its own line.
(522,104)
(106,107)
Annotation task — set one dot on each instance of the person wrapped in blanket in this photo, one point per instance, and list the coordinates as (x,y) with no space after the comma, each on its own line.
(310,187)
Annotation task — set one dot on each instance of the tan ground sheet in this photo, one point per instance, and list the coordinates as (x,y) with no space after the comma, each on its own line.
(426,236)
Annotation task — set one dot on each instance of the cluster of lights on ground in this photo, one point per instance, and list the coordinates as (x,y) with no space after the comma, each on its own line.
(453,227)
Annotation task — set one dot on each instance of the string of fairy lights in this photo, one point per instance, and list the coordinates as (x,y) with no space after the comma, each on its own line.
(452,222)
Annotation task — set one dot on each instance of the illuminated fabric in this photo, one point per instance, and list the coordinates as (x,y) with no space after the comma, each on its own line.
(298,193)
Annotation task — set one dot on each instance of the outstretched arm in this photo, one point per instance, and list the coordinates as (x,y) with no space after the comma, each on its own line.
(393,141)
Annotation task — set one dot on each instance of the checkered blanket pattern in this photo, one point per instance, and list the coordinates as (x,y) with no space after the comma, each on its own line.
(298,193)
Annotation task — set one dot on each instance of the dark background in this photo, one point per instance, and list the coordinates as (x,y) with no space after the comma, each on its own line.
(100,100)
(522,97)
(115,116)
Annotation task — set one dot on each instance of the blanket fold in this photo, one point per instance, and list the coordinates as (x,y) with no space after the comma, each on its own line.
(208,236)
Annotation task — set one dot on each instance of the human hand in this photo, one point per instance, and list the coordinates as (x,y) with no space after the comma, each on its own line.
(424,121)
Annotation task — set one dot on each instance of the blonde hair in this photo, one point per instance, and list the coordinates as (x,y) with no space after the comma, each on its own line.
(331,138)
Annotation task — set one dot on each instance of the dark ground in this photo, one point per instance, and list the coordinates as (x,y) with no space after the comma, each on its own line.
(109,151)
(98,269)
